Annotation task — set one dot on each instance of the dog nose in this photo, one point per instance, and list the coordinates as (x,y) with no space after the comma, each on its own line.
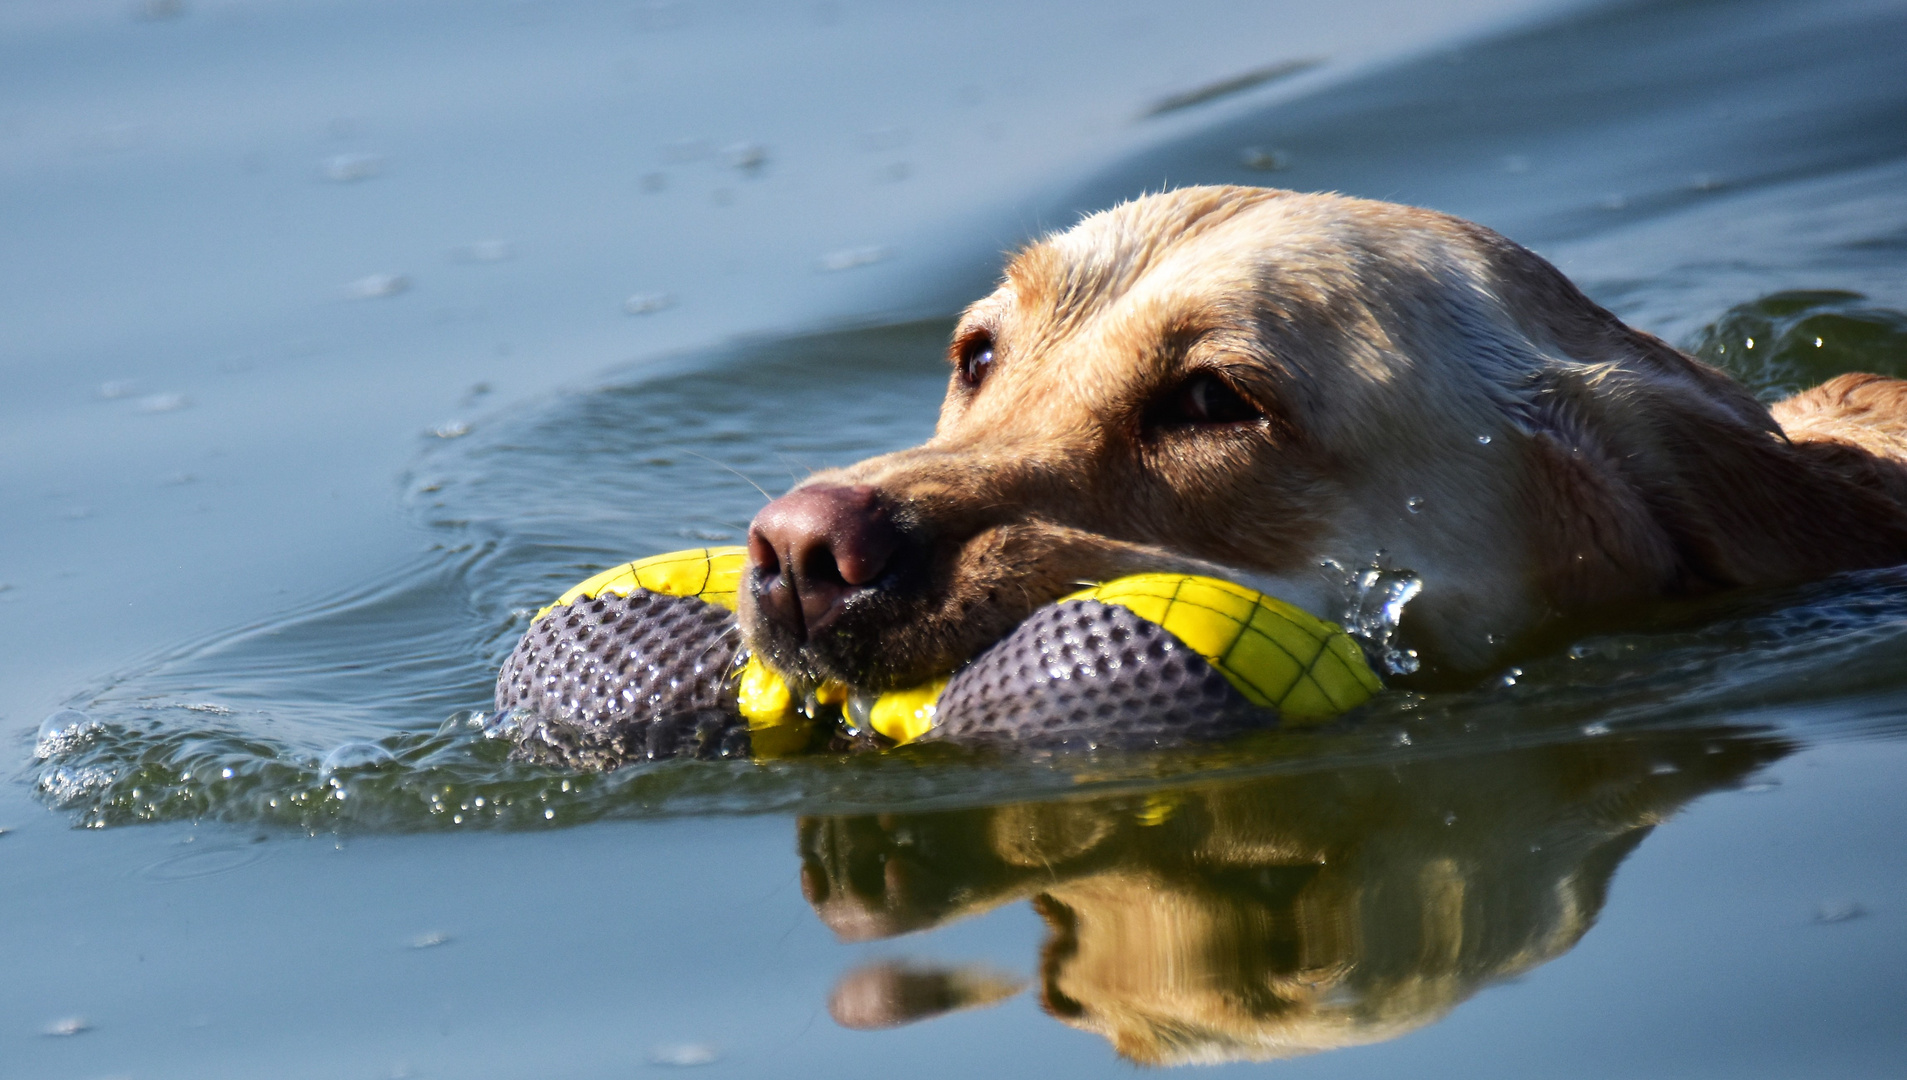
(815,547)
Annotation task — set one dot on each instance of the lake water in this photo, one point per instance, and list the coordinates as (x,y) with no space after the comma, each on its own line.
(341,336)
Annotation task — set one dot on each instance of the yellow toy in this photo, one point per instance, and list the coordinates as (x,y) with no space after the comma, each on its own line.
(1274,655)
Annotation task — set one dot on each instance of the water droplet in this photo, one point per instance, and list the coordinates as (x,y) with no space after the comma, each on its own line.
(374,286)
(357,754)
(647,303)
(849,258)
(1414,504)
(1510,676)
(1750,343)
(1264,159)
(350,168)
(65,1026)
(1818,343)
(1483,440)
(549,815)
(685,1055)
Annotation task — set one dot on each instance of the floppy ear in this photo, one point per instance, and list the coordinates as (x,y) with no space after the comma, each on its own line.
(1652,473)
(1649,479)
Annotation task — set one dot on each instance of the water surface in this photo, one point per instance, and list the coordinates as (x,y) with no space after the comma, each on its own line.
(278,839)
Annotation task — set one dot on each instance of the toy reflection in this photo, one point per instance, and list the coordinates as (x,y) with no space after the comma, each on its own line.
(1268,917)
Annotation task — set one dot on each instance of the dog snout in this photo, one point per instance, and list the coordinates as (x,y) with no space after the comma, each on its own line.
(814,548)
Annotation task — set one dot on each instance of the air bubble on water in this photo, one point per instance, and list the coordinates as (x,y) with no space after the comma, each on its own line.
(1510,676)
(357,754)
(684,1055)
(647,303)
(163,403)
(376,286)
(1761,787)
(484,251)
(1483,440)
(747,157)
(450,429)
(1749,343)
(63,732)
(1595,729)
(66,1026)
(1450,817)
(1818,343)
(65,787)
(1373,600)
(1838,911)
(430,940)
(158,10)
(849,258)
(350,168)
(1414,504)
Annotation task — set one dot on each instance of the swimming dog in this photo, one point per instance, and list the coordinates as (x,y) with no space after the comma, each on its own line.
(1273,387)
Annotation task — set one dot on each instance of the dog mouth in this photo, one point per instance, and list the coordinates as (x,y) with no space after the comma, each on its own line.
(905,627)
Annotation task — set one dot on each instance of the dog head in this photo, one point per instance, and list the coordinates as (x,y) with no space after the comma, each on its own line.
(1253,383)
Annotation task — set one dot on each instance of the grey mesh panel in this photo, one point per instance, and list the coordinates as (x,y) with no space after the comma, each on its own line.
(598,683)
(1084,674)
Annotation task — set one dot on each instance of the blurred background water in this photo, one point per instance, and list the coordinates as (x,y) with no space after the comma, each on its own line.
(339,335)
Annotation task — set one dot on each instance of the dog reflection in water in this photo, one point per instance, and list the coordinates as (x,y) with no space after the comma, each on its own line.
(1273,916)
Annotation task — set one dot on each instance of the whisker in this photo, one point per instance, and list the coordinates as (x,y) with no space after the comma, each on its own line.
(730,468)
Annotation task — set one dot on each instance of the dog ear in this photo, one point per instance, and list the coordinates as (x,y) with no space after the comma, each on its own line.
(1649,478)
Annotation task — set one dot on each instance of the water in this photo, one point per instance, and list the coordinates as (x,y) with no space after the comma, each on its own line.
(259,822)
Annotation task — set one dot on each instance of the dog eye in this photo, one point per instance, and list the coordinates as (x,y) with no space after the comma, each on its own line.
(1203,399)
(976,359)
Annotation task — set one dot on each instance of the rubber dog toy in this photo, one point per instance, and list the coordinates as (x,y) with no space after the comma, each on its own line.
(646,661)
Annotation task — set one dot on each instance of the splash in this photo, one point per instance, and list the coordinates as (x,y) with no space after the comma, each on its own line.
(1374,596)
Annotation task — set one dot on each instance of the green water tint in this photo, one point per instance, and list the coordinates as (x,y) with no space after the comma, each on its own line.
(1273,916)
(1787,342)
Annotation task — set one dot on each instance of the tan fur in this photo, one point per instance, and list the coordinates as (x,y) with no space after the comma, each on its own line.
(1431,391)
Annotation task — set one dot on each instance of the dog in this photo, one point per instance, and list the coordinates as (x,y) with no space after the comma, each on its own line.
(1273,386)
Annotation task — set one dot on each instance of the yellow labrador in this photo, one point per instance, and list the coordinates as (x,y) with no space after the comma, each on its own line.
(1268,385)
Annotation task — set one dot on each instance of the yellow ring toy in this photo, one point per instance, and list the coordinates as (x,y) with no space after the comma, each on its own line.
(645,660)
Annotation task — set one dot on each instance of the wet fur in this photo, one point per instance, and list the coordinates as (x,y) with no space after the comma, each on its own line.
(1380,342)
